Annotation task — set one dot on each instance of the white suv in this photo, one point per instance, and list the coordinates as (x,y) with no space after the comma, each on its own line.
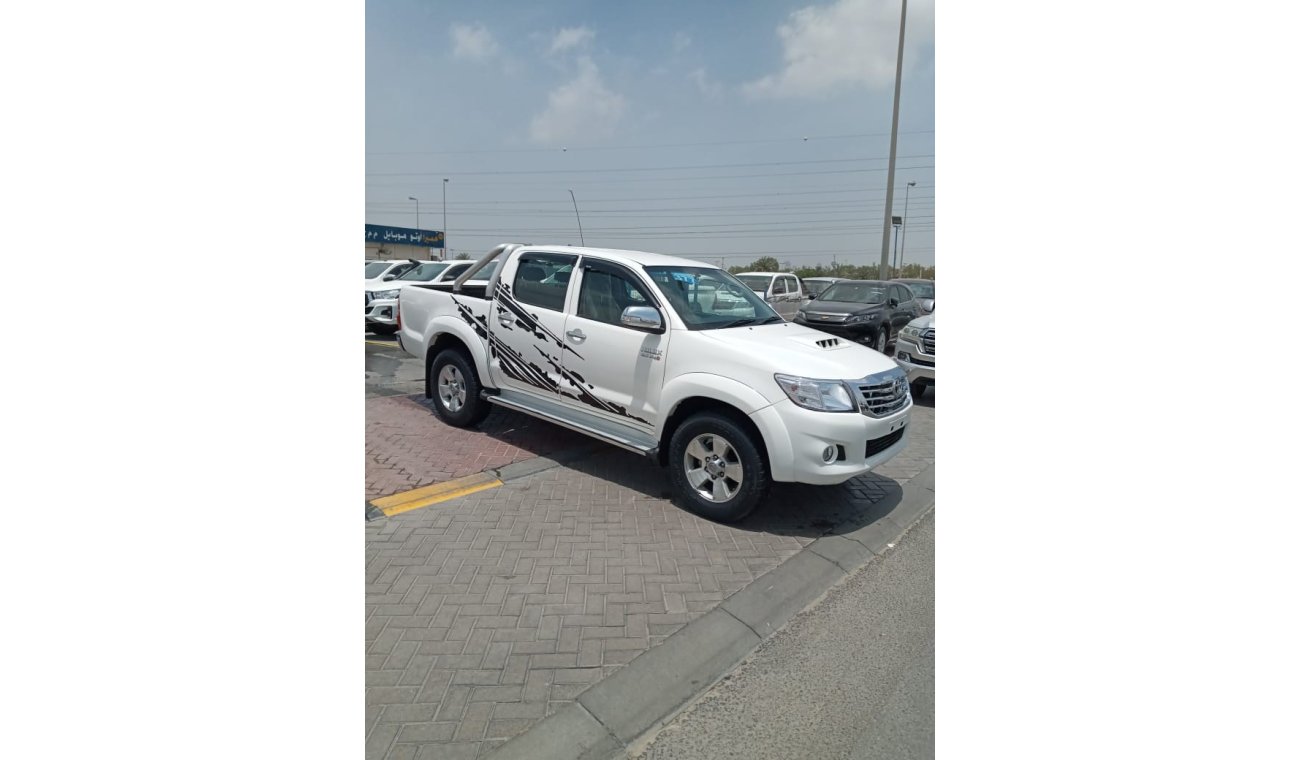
(381,298)
(914,352)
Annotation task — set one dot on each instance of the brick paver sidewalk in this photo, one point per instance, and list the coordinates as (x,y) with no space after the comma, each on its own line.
(487,613)
(408,447)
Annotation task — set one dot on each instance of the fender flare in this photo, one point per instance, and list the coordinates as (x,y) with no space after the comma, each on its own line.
(707,385)
(447,325)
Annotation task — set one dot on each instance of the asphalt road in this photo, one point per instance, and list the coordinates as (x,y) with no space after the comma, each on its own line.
(852,678)
(390,371)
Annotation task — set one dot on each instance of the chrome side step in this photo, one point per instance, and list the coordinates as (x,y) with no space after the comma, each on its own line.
(587,424)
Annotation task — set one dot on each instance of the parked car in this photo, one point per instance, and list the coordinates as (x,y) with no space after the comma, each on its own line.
(818,285)
(377,271)
(630,349)
(381,299)
(783,292)
(924,292)
(866,311)
(914,352)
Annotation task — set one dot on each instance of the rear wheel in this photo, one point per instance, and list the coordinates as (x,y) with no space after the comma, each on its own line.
(455,389)
(716,468)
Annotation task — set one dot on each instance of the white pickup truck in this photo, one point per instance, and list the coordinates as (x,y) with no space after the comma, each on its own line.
(674,359)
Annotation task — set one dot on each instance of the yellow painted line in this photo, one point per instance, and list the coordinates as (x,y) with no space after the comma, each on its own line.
(438,492)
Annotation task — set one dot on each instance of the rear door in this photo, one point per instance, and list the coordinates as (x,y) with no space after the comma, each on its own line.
(527,322)
(779,298)
(612,370)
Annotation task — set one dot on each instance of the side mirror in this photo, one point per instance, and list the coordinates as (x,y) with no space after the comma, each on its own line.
(389,277)
(893,303)
(812,296)
(644,318)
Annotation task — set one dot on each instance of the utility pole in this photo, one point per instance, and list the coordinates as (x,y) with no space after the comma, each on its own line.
(893,148)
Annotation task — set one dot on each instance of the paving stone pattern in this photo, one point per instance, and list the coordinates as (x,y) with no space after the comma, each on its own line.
(486,614)
(408,447)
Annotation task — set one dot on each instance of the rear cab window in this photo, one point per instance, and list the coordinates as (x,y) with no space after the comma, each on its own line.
(542,279)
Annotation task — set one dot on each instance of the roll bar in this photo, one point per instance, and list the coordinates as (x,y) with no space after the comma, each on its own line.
(504,248)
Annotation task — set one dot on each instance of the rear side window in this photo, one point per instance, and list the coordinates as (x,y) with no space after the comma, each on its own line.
(542,279)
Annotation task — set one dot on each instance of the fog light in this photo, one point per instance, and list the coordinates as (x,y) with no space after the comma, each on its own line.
(828,454)
(905,357)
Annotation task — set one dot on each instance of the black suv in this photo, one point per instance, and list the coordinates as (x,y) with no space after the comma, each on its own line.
(866,311)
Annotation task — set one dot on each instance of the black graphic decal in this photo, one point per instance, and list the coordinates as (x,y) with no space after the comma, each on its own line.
(518,368)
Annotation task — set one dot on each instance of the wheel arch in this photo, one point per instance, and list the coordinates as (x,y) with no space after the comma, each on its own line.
(457,336)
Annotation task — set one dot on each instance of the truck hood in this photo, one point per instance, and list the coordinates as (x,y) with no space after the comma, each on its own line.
(796,350)
(924,323)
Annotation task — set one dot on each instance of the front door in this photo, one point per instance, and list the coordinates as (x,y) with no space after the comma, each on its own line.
(527,322)
(612,370)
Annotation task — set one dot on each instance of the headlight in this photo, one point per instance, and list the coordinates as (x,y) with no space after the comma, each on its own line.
(911,332)
(387,294)
(819,395)
(861,318)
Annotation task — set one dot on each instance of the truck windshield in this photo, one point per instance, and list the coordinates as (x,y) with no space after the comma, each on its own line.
(425,272)
(710,299)
(756,282)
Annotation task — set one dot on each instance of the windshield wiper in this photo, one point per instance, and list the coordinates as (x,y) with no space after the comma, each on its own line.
(773,320)
(735,323)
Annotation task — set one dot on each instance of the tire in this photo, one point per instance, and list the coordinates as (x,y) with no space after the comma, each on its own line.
(454,386)
(694,473)
(918,389)
(382,329)
(881,341)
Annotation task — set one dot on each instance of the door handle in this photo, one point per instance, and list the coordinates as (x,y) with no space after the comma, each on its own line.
(576,335)
(506,318)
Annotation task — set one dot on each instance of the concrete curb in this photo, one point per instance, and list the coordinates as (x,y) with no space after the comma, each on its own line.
(652,689)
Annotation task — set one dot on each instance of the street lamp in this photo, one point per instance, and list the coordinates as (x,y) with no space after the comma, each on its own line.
(444,217)
(893,146)
(907,196)
(417,210)
(575,213)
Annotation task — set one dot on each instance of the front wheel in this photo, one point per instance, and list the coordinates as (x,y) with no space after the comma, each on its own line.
(882,339)
(716,468)
(455,389)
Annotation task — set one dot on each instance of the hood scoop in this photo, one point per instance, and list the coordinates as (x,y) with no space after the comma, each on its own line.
(822,341)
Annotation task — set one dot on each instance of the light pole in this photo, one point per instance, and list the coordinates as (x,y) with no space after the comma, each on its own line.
(417,210)
(575,213)
(907,196)
(444,217)
(893,148)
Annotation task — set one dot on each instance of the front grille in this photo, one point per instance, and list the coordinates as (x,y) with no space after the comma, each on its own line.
(368,298)
(927,341)
(878,445)
(883,395)
(921,360)
(821,316)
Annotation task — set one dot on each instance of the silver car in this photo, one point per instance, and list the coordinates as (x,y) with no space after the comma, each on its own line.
(924,292)
(782,291)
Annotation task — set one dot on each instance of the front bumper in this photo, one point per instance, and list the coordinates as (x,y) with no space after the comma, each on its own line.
(909,355)
(795,438)
(382,311)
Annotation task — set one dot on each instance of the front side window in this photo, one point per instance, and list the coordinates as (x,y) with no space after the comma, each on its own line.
(542,279)
(710,299)
(605,295)
(904,294)
(779,287)
(856,292)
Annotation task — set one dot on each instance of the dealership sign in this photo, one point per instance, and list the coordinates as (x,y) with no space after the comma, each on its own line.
(378,233)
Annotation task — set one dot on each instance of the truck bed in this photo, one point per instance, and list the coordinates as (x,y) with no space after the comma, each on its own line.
(471,289)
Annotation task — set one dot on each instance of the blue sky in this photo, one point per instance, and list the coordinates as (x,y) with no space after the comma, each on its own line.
(679,126)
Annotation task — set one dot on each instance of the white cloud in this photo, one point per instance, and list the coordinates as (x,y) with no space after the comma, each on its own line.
(849,43)
(566,39)
(474,43)
(581,109)
(708,88)
(681,41)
